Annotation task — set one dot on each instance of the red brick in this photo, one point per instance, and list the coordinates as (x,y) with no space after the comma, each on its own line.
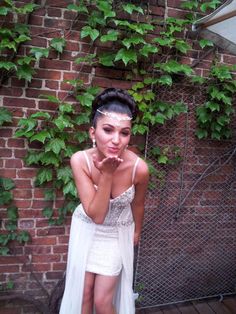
(18,102)
(4,152)
(23,203)
(26,173)
(50,231)
(13,163)
(35,20)
(52,84)
(9,268)
(20,153)
(11,91)
(21,193)
(21,183)
(54,12)
(44,241)
(35,84)
(55,64)
(45,258)
(46,105)
(7,173)
(57,23)
(5,132)
(36,93)
(38,249)
(60,249)
(16,142)
(59,266)
(47,74)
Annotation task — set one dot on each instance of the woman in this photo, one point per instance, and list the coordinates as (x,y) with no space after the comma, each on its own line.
(111,182)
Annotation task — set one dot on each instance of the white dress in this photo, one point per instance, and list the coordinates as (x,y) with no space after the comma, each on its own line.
(105,249)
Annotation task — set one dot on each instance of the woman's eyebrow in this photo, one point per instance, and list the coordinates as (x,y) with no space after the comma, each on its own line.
(112,126)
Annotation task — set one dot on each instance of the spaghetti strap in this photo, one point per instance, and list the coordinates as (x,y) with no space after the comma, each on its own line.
(88,163)
(134,169)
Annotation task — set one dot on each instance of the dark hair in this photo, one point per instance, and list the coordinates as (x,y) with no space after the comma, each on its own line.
(113,100)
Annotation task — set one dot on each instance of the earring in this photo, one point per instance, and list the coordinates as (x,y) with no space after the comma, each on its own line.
(94,143)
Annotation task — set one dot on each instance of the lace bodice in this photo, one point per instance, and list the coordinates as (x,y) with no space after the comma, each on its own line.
(117,206)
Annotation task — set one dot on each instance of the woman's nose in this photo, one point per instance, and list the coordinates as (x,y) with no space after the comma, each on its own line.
(115,138)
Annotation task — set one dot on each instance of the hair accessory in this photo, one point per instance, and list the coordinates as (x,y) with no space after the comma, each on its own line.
(114,116)
(94,142)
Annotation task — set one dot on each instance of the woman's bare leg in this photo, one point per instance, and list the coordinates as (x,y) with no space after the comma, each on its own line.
(104,290)
(87,304)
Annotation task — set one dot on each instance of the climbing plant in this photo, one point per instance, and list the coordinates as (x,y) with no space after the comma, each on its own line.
(148,50)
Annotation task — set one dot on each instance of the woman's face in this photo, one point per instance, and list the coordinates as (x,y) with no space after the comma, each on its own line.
(112,134)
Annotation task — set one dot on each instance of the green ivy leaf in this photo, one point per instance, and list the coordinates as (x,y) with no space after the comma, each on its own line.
(89,31)
(190,5)
(66,108)
(58,44)
(106,8)
(25,72)
(160,118)
(50,98)
(55,145)
(69,188)
(111,35)
(126,56)
(41,114)
(162,159)
(167,41)
(4,11)
(81,136)
(63,122)
(39,52)
(64,174)
(50,158)
(165,80)
(6,44)
(201,133)
(33,158)
(89,58)
(130,8)
(81,8)
(85,99)
(43,175)
(5,116)
(4,250)
(147,49)
(209,5)
(7,65)
(27,8)
(49,194)
(22,38)
(182,46)
(23,237)
(198,79)
(12,213)
(7,184)
(25,60)
(48,212)
(82,118)
(40,136)
(6,198)
(205,43)
(107,59)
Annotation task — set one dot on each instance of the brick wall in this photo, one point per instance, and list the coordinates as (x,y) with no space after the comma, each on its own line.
(42,262)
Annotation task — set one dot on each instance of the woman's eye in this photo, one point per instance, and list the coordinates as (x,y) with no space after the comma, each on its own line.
(107,130)
(125,133)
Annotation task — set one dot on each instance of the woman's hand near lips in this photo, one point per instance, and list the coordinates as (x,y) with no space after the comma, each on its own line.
(108,165)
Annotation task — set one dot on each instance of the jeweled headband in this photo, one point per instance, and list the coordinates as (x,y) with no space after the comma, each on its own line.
(114,116)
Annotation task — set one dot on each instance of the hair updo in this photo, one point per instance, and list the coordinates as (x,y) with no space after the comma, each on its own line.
(113,100)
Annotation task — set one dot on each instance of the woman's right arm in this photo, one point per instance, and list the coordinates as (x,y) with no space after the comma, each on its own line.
(95,201)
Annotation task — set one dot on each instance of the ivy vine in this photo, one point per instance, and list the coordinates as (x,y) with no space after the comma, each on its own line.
(151,60)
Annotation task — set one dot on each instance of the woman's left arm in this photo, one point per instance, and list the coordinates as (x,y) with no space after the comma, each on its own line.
(141,184)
